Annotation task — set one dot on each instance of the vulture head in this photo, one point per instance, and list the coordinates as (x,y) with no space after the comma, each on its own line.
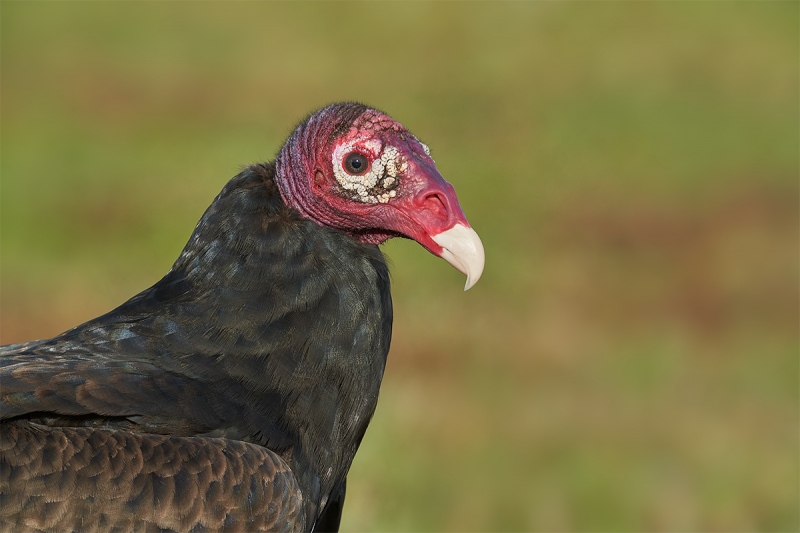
(353,168)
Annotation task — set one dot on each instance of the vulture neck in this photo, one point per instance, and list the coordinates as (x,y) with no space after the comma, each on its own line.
(293,317)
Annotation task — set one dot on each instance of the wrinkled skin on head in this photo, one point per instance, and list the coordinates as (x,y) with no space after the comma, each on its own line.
(356,169)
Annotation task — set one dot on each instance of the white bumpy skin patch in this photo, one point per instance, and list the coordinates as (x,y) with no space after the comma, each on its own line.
(380,182)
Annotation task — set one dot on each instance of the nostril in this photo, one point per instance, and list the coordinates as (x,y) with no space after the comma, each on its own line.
(435,204)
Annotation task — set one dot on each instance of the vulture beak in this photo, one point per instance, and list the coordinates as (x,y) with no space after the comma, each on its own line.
(434,219)
(462,248)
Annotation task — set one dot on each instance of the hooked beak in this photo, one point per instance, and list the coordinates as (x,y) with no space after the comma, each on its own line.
(462,248)
(433,218)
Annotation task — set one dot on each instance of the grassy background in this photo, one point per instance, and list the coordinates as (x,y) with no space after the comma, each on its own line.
(628,362)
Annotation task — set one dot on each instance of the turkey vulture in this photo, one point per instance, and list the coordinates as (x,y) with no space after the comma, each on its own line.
(233,394)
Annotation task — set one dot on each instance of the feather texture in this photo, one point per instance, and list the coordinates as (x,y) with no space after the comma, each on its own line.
(239,365)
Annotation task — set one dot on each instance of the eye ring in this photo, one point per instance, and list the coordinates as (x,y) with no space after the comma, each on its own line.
(355,163)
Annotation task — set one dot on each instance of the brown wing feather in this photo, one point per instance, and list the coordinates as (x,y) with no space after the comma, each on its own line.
(87,479)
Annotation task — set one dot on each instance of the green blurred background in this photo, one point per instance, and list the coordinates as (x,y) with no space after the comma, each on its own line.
(629,360)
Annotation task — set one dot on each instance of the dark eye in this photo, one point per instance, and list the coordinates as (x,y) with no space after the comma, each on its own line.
(355,163)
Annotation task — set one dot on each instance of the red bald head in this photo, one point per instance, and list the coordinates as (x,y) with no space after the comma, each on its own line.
(356,169)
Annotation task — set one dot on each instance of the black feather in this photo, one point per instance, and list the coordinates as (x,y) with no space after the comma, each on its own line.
(268,336)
